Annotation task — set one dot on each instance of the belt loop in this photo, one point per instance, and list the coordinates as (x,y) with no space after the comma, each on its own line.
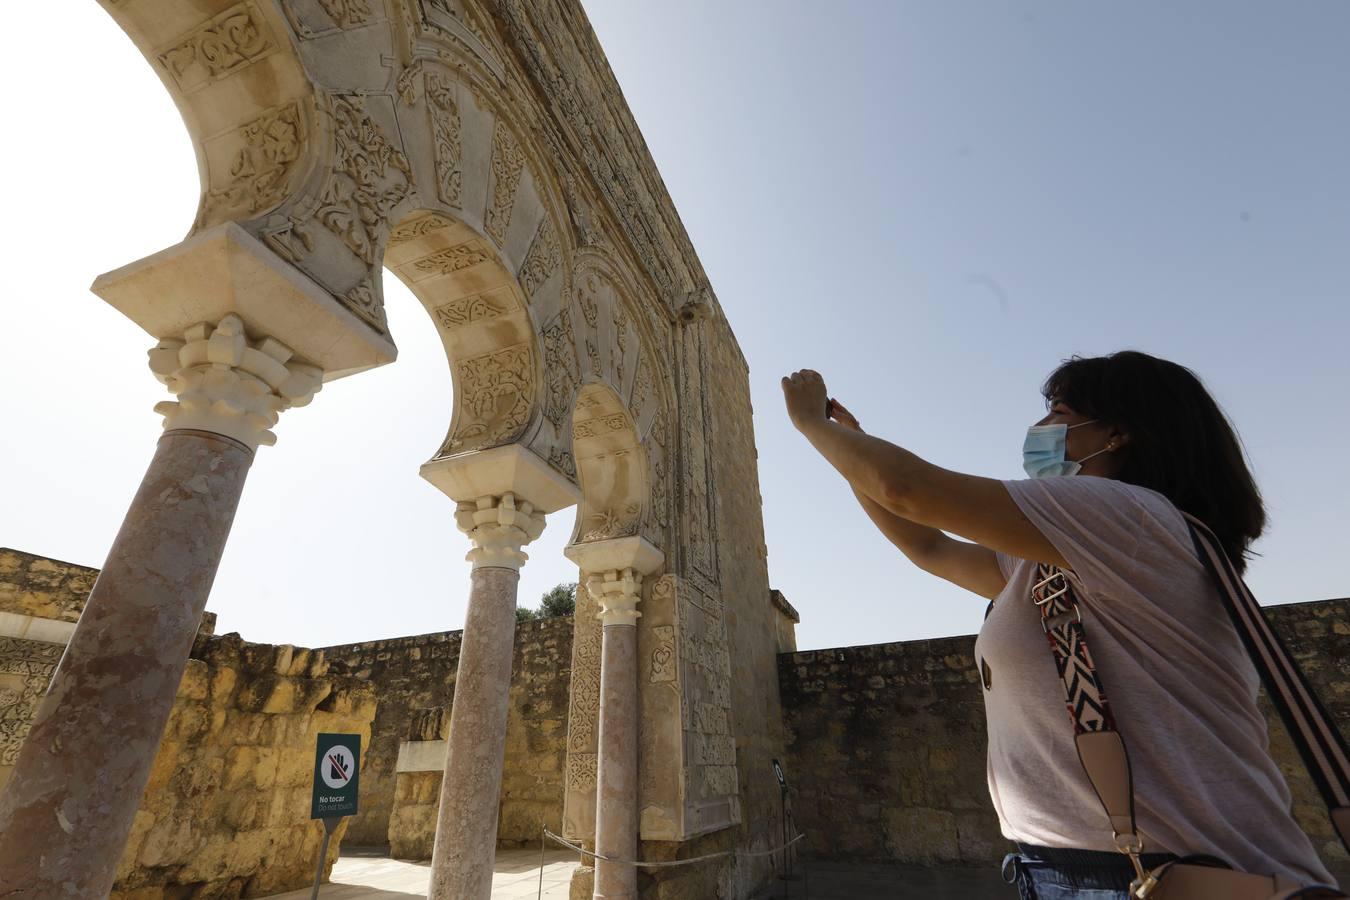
(1015,872)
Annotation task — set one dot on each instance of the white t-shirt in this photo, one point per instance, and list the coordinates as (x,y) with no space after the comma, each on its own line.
(1181,686)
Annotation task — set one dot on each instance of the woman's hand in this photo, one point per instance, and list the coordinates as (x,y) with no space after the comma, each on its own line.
(840,414)
(806,399)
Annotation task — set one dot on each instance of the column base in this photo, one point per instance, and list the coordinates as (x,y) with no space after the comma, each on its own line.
(583,884)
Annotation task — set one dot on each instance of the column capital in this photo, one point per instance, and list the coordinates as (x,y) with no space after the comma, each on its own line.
(510,469)
(615,554)
(229,385)
(499,526)
(618,593)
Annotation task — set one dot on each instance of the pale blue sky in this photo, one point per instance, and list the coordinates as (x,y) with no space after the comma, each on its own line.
(931,203)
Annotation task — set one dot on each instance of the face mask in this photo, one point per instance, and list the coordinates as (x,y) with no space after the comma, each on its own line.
(1043,451)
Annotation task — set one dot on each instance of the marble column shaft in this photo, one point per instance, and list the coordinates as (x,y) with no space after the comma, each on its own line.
(67,809)
(616,806)
(466,827)
(466,824)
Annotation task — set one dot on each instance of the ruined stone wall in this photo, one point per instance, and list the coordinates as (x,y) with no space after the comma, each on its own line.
(43,588)
(887,744)
(413,673)
(408,673)
(40,601)
(226,811)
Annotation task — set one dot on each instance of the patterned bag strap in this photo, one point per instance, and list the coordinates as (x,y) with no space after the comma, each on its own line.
(1100,747)
(1319,742)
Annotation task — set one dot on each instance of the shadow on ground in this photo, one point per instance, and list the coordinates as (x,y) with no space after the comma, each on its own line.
(862,881)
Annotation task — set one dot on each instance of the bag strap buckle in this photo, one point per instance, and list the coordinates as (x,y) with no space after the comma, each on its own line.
(1145,882)
(1050,623)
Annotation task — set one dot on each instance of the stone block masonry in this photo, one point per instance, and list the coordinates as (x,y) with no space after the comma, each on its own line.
(226,812)
(887,744)
(40,601)
(886,748)
(413,674)
(43,588)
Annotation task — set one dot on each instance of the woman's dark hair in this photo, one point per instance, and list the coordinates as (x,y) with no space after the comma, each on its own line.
(1181,444)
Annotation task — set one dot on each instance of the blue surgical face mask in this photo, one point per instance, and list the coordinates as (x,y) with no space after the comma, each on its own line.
(1043,451)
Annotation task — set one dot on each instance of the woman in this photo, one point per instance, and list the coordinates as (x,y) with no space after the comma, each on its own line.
(1142,439)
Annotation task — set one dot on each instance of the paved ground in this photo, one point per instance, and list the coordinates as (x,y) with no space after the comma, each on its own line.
(366,875)
(851,881)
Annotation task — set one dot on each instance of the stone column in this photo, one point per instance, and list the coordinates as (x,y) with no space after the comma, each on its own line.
(616,801)
(67,809)
(618,566)
(466,826)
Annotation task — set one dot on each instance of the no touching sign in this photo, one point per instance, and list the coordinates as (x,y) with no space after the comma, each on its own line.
(337,764)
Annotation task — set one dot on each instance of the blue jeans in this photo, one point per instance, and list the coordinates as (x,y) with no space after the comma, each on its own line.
(1043,873)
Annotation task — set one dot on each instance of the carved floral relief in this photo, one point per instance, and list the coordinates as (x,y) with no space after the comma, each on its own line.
(418,227)
(508,164)
(448,261)
(467,310)
(560,368)
(496,393)
(542,259)
(26,668)
(222,46)
(261,169)
(370,178)
(446,133)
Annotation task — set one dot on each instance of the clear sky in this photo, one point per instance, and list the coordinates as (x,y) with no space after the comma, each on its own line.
(930,202)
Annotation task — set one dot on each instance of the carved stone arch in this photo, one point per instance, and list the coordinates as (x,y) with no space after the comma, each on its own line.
(249,106)
(318,157)
(633,349)
(603,335)
(611,467)
(488,258)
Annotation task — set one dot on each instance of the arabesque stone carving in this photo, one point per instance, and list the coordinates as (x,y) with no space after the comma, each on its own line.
(25,670)
(219,47)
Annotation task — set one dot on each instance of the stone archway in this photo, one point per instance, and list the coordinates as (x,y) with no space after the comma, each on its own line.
(482,151)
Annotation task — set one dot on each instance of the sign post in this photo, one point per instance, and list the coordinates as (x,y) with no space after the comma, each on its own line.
(783,799)
(337,770)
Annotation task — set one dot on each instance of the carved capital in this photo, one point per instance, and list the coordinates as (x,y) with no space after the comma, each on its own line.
(697,306)
(618,594)
(229,385)
(499,528)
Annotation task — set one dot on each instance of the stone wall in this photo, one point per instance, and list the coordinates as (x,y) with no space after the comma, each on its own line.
(226,811)
(417,785)
(887,744)
(412,674)
(40,601)
(43,588)
(729,657)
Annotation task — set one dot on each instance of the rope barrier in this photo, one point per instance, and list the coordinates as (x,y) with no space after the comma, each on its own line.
(667,864)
